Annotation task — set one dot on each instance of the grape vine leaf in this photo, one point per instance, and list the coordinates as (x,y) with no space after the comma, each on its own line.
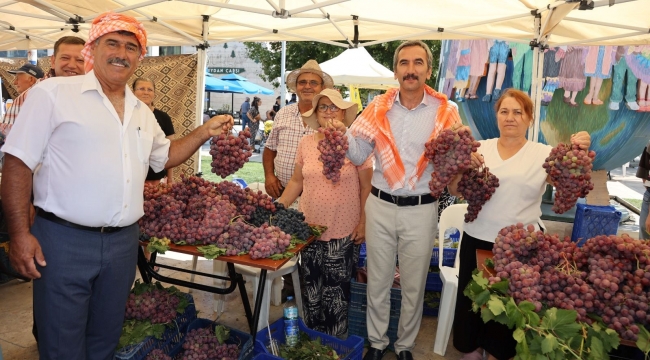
(519,335)
(496,305)
(561,322)
(486,314)
(284,255)
(222,333)
(643,342)
(482,297)
(549,343)
(596,350)
(480,279)
(501,287)
(158,245)
(528,312)
(211,251)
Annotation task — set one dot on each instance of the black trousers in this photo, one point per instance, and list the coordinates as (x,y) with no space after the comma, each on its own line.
(470,332)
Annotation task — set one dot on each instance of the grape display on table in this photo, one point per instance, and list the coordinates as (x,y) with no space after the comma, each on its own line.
(203,344)
(230,152)
(608,276)
(477,187)
(157,354)
(570,170)
(451,153)
(332,152)
(291,221)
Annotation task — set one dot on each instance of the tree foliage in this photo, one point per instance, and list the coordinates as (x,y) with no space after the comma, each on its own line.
(298,52)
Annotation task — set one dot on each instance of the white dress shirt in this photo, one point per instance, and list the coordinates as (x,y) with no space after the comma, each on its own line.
(93,166)
(411,130)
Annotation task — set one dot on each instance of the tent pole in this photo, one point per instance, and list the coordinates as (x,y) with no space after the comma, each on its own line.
(283,65)
(201,63)
(315,39)
(594,22)
(537,72)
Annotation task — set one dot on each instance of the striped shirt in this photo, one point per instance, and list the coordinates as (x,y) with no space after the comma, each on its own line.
(11,114)
(411,130)
(288,129)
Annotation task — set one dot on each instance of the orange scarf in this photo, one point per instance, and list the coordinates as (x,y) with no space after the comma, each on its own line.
(373,126)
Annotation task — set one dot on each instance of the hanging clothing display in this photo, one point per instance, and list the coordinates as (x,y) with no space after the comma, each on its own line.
(572,75)
(551,72)
(623,76)
(522,59)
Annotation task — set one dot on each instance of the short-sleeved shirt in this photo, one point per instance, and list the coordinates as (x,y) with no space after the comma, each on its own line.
(337,206)
(93,165)
(522,182)
(165,122)
(288,129)
(244,109)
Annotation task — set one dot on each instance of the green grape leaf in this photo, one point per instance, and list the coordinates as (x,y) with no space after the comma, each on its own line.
(561,322)
(643,342)
(222,333)
(501,286)
(549,343)
(486,314)
(478,277)
(596,350)
(489,263)
(496,305)
(158,245)
(211,252)
(482,298)
(519,335)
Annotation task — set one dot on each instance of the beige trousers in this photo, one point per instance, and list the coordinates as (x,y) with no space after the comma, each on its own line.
(408,232)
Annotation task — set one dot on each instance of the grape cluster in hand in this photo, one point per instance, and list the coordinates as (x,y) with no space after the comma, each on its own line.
(451,154)
(157,354)
(157,305)
(570,170)
(229,152)
(608,276)
(269,240)
(292,222)
(477,187)
(332,152)
(203,344)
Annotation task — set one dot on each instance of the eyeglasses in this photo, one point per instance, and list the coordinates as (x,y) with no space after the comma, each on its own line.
(312,83)
(332,108)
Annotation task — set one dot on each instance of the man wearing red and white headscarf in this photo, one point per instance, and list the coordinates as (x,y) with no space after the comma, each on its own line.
(95,142)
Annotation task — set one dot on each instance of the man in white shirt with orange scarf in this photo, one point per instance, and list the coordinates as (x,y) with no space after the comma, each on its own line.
(401,215)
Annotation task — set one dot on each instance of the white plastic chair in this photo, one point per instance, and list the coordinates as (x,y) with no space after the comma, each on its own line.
(273,286)
(452,216)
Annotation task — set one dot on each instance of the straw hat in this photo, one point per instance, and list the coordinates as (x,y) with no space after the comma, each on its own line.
(310,66)
(335,97)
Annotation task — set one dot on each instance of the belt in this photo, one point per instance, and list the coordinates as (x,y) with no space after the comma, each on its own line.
(49,216)
(403,200)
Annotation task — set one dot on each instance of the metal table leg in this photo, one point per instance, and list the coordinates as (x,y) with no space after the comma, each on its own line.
(258,303)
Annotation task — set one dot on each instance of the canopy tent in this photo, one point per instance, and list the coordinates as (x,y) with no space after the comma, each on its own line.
(247,86)
(357,68)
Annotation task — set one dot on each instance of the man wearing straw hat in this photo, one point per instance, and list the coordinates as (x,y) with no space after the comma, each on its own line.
(289,128)
(95,142)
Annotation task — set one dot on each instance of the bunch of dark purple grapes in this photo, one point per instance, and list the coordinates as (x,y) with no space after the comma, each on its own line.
(230,153)
(451,154)
(332,152)
(203,344)
(158,354)
(570,170)
(157,305)
(477,187)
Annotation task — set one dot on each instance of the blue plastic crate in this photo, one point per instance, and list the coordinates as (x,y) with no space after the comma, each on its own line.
(431,310)
(170,337)
(592,220)
(349,349)
(242,339)
(362,256)
(434,283)
(359,298)
(357,326)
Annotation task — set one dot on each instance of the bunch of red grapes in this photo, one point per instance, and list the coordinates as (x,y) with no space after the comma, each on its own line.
(230,152)
(609,276)
(477,187)
(203,344)
(332,152)
(157,354)
(451,154)
(156,305)
(570,170)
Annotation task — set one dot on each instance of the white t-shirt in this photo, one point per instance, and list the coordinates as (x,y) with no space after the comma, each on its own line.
(93,165)
(522,182)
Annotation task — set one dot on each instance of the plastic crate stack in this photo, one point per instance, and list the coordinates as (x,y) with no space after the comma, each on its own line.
(170,338)
(592,220)
(434,283)
(349,349)
(242,339)
(358,306)
(362,256)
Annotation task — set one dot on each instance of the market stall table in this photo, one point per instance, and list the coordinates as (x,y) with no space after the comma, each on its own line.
(148,273)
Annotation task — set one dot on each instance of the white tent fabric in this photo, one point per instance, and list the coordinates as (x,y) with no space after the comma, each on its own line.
(356,67)
(36,24)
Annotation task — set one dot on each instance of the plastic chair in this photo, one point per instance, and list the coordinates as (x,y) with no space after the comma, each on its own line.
(273,286)
(452,216)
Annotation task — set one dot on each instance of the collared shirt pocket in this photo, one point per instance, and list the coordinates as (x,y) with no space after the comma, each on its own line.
(145,144)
